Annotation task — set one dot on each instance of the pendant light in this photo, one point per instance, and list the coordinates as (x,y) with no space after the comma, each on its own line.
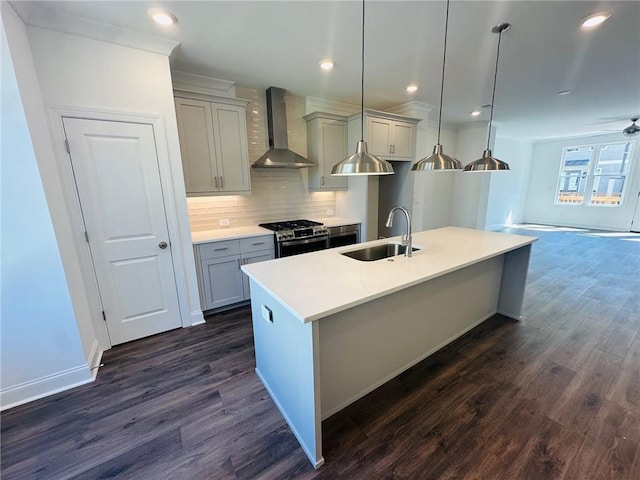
(438,160)
(488,163)
(362,162)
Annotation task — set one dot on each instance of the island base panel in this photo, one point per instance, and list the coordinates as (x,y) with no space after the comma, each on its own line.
(286,363)
(364,347)
(514,280)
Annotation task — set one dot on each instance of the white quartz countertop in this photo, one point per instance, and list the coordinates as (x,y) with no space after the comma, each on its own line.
(228,234)
(335,221)
(314,285)
(231,233)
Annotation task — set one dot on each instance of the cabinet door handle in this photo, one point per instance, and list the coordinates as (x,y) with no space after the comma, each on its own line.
(215,179)
(221,182)
(220,249)
(321,180)
(258,243)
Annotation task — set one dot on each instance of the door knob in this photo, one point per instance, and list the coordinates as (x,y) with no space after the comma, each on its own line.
(163,245)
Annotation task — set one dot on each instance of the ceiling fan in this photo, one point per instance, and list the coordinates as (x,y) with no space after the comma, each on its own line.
(632,129)
(628,131)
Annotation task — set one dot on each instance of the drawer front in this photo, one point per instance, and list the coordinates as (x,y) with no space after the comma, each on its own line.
(219,249)
(256,244)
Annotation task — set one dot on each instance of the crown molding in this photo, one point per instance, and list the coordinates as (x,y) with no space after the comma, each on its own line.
(413,109)
(43,16)
(315,104)
(192,82)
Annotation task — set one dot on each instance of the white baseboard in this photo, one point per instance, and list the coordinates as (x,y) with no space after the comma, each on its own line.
(95,356)
(197,318)
(44,386)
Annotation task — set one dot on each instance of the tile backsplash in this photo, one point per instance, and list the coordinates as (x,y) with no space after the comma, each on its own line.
(278,194)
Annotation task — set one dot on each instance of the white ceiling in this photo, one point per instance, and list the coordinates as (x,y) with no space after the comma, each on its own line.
(265,43)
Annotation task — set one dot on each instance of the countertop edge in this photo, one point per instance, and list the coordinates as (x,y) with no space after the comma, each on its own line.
(221,234)
(233,233)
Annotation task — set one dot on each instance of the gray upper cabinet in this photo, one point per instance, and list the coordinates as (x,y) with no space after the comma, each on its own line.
(388,135)
(213,145)
(326,145)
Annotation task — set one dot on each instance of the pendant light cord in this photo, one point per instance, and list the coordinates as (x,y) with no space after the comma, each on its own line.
(493,95)
(362,81)
(444,58)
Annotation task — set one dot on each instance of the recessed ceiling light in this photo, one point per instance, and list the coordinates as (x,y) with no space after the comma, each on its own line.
(412,88)
(564,92)
(162,17)
(594,20)
(475,113)
(326,64)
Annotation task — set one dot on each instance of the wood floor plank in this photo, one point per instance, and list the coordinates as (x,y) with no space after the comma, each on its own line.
(581,401)
(625,390)
(610,446)
(112,435)
(136,461)
(617,339)
(548,453)
(262,453)
(573,351)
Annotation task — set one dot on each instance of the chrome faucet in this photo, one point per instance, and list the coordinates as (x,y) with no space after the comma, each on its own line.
(406,238)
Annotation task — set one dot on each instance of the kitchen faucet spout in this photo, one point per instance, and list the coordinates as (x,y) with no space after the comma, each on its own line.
(406,238)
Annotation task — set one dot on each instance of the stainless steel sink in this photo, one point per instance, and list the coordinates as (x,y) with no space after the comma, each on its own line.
(378,252)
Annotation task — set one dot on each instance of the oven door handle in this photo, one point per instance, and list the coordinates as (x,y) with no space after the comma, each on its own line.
(302,241)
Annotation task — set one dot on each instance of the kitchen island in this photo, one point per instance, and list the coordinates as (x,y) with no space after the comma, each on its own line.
(328,329)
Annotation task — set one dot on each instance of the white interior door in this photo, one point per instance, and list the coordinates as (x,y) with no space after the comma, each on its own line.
(117,176)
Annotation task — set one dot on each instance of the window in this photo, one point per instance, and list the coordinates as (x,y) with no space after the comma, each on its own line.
(593,174)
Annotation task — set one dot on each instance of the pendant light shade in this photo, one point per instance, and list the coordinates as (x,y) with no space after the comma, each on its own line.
(362,162)
(488,163)
(438,160)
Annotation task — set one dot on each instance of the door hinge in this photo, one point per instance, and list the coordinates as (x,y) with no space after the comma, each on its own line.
(104,317)
(86,236)
(66,145)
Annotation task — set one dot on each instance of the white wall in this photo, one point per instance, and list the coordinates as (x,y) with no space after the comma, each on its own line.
(508,189)
(433,190)
(471,190)
(41,350)
(543,178)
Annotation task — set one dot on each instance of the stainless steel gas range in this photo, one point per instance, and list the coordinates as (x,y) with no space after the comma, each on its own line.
(298,236)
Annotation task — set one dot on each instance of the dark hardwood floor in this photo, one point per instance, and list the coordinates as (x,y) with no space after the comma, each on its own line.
(556,396)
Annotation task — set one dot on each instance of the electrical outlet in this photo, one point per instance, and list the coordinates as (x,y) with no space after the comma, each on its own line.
(330,213)
(267,314)
(224,222)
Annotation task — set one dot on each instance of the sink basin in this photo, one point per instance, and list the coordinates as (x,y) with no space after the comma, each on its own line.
(378,252)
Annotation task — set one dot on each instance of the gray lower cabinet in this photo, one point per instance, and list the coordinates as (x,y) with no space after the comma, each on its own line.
(221,281)
(253,258)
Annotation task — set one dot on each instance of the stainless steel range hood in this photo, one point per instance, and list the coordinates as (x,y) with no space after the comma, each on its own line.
(279,155)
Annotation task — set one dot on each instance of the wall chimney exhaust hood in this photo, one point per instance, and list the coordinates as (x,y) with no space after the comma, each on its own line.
(279,155)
